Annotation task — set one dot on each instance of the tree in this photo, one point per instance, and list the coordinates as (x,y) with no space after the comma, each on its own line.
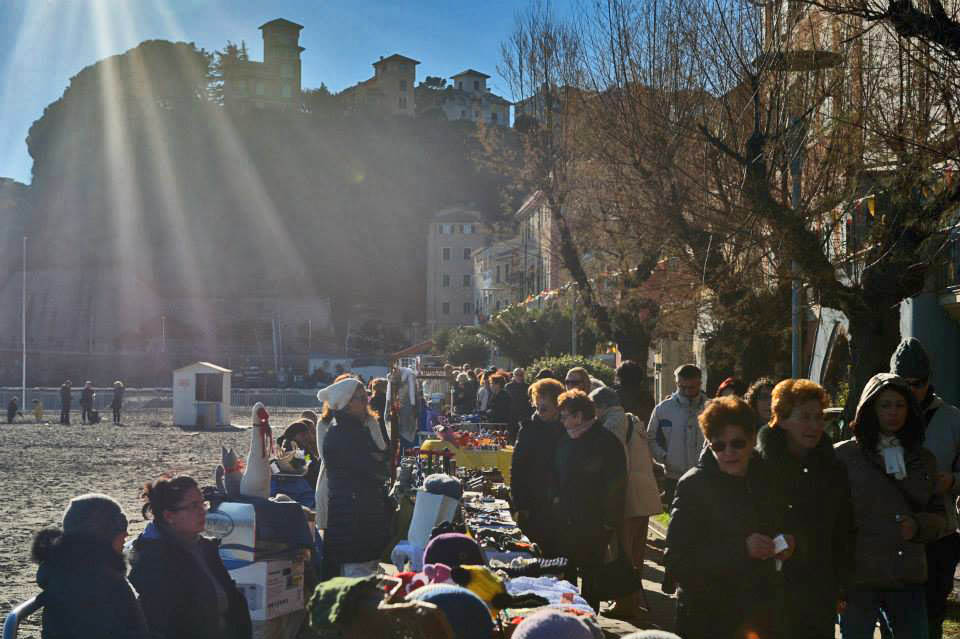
(434,82)
(543,61)
(523,334)
(466,348)
(220,61)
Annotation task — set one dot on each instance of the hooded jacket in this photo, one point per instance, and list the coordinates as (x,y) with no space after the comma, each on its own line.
(943,440)
(811,496)
(674,435)
(642,498)
(882,558)
(721,588)
(176,594)
(86,594)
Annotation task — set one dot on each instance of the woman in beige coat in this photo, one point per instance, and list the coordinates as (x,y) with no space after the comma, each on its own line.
(643,496)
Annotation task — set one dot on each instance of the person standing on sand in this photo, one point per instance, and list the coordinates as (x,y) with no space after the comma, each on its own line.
(86,401)
(65,399)
(116,403)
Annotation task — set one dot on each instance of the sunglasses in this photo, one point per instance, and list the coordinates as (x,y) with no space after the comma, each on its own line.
(574,382)
(735,444)
(917,383)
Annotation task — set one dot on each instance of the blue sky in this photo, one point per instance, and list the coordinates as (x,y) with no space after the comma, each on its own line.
(43,43)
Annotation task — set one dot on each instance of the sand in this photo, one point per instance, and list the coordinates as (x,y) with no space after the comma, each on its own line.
(43,465)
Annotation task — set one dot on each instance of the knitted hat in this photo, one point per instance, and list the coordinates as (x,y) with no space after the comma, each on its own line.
(453,549)
(443,484)
(651,634)
(341,600)
(553,624)
(338,395)
(910,360)
(95,515)
(605,397)
(467,615)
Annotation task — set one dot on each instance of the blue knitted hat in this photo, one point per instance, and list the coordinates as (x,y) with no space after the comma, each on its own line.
(553,624)
(466,613)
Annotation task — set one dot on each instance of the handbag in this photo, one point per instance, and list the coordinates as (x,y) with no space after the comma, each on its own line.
(615,577)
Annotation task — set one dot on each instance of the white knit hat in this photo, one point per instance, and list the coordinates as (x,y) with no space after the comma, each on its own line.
(338,395)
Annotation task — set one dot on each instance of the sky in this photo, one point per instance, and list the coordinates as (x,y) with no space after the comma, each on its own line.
(43,43)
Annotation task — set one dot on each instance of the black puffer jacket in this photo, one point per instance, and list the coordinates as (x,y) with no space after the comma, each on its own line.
(498,408)
(586,491)
(357,521)
(811,496)
(177,597)
(86,594)
(722,590)
(531,472)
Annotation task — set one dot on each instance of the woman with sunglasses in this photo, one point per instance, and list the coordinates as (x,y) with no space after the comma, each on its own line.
(892,480)
(185,590)
(722,543)
(811,496)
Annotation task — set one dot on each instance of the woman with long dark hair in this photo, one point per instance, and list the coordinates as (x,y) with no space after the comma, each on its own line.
(185,590)
(892,484)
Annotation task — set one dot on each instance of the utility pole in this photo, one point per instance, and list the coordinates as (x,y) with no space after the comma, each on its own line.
(23,332)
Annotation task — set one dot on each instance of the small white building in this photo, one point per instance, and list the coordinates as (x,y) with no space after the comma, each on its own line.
(201,395)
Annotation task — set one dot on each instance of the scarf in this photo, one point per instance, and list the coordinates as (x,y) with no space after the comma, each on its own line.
(577,432)
(892,453)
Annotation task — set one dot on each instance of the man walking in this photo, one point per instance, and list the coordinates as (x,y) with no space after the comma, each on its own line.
(673,434)
(520,409)
(911,362)
(65,399)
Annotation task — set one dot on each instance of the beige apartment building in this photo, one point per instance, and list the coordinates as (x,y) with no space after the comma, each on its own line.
(453,236)
(391,89)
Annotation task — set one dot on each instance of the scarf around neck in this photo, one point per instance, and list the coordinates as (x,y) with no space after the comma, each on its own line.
(892,452)
(577,432)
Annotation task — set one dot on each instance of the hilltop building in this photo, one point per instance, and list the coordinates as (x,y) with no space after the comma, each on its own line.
(391,88)
(275,81)
(465,98)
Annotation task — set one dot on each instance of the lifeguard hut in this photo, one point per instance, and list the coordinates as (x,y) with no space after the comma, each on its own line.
(201,395)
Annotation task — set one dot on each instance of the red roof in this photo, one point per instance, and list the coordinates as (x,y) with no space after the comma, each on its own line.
(416,349)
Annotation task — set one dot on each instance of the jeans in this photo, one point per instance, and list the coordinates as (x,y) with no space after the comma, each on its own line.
(906,611)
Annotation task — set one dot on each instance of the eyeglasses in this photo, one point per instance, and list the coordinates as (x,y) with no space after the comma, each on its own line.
(735,444)
(193,505)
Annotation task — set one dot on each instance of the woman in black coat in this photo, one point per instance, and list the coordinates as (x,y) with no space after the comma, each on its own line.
(84,577)
(720,540)
(810,494)
(358,513)
(185,590)
(498,406)
(532,464)
(586,488)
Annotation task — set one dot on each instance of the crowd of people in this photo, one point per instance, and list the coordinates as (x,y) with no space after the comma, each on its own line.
(775,529)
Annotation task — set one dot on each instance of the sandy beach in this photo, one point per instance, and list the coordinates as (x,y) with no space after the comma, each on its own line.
(43,465)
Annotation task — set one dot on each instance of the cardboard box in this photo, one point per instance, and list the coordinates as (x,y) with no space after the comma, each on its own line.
(272,588)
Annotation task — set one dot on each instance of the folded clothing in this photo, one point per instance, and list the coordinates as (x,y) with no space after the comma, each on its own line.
(521,567)
(560,593)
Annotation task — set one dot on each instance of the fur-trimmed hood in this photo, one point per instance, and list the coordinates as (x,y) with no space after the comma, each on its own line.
(60,554)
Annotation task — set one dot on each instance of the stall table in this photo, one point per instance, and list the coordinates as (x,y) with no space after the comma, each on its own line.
(500,459)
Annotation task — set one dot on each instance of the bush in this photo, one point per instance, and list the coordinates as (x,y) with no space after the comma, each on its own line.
(466,348)
(563,363)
